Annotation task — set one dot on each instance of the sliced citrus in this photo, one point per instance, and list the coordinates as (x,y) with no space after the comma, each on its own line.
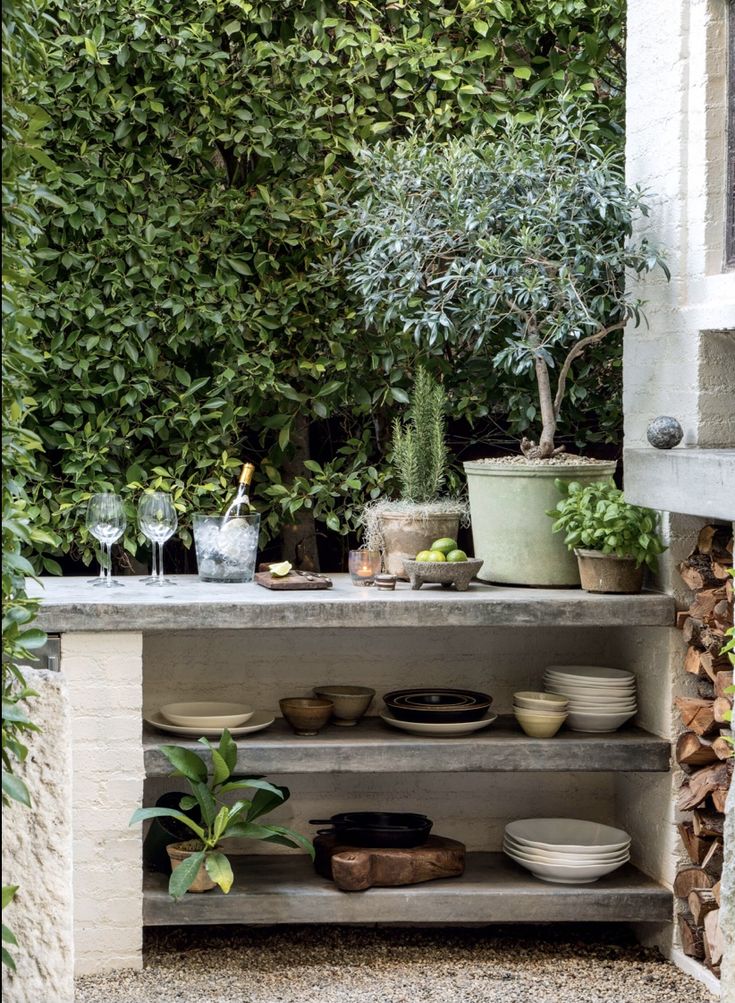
(281,570)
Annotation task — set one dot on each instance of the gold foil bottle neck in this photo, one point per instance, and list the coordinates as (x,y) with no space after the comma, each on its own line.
(246,474)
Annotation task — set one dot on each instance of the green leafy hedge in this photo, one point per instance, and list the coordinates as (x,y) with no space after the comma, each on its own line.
(185,321)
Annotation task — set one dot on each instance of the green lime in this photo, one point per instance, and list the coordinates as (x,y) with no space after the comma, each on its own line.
(423,555)
(281,570)
(444,545)
(456,555)
(435,556)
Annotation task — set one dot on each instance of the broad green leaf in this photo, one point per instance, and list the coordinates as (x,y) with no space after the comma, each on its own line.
(8,894)
(219,870)
(15,788)
(187,763)
(183,877)
(142,814)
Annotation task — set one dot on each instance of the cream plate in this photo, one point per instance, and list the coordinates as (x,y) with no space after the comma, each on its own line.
(573,835)
(600,674)
(446,729)
(207,714)
(261,719)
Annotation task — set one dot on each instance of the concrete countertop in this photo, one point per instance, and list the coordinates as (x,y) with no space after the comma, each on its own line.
(71,604)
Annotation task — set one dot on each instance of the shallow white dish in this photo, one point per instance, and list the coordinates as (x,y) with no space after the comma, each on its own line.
(261,719)
(543,714)
(590,673)
(603,708)
(554,857)
(568,690)
(577,835)
(529,700)
(447,729)
(586,721)
(563,875)
(207,714)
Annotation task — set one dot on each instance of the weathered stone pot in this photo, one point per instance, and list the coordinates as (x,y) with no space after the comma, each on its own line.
(447,573)
(405,534)
(609,573)
(179,852)
(510,528)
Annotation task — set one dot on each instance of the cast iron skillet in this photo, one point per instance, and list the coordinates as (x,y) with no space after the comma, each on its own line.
(375,829)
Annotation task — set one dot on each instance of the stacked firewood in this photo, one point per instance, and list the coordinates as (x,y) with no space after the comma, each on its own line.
(704,750)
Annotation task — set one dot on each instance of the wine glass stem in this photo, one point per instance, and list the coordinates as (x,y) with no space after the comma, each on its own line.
(154,568)
(160,564)
(109,565)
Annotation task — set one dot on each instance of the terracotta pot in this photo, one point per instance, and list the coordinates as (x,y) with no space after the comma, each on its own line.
(608,573)
(405,535)
(179,852)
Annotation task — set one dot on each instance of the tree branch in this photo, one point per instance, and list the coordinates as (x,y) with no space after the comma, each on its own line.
(574,353)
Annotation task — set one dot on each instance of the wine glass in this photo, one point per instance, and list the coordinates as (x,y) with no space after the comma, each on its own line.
(106,522)
(158,521)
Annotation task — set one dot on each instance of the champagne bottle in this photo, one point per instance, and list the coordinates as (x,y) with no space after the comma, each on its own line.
(241,502)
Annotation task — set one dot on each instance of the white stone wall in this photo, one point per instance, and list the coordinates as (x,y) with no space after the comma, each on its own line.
(676,148)
(104,675)
(37,855)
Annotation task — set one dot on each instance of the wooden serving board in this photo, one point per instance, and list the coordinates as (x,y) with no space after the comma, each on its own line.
(288,583)
(353,869)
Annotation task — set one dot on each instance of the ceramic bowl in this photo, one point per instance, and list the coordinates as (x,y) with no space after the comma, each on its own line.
(540,701)
(603,723)
(590,693)
(306,715)
(350,702)
(445,573)
(207,714)
(545,715)
(539,726)
(576,835)
(439,729)
(557,856)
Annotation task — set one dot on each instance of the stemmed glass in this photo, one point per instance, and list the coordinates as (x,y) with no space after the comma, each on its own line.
(158,521)
(106,522)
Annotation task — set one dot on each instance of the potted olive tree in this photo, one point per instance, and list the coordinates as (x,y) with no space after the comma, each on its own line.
(402,528)
(517,246)
(612,540)
(199,863)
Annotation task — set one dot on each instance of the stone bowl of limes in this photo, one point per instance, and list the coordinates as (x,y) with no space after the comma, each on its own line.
(442,564)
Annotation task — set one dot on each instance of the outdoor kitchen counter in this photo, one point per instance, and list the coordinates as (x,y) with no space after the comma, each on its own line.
(72,605)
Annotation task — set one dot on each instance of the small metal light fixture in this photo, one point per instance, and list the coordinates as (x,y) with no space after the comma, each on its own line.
(364,565)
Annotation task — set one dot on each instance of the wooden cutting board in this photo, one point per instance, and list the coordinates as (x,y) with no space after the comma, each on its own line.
(288,583)
(353,869)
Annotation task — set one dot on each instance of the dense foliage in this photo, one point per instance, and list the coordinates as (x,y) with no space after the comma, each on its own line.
(597,516)
(22,67)
(218,819)
(518,245)
(185,325)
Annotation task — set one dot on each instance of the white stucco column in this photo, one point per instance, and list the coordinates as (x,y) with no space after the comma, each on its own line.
(104,676)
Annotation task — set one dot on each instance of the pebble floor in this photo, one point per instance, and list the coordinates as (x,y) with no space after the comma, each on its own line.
(351,965)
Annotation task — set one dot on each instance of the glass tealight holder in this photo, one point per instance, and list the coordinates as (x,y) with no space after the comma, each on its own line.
(364,565)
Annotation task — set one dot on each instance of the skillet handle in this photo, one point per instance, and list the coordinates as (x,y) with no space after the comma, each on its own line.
(325,832)
(320,821)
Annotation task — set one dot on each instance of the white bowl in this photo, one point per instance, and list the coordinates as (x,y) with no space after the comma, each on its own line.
(541,714)
(539,725)
(586,721)
(558,857)
(591,673)
(529,700)
(565,875)
(566,689)
(207,714)
(603,708)
(576,835)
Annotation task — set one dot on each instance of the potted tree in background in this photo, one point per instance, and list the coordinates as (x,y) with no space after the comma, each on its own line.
(402,528)
(517,246)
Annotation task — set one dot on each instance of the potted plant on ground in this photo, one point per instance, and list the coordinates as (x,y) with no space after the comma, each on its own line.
(519,246)
(197,865)
(611,539)
(401,529)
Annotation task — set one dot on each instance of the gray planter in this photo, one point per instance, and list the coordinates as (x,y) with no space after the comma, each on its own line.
(510,528)
(609,573)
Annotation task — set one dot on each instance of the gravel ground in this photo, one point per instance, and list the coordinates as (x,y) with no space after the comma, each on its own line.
(352,965)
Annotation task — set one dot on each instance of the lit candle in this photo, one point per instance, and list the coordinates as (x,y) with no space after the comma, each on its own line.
(364,565)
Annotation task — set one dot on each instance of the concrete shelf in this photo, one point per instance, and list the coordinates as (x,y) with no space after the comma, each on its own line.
(285,889)
(372,747)
(69,604)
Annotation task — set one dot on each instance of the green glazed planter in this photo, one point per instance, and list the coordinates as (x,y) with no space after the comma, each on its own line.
(510,528)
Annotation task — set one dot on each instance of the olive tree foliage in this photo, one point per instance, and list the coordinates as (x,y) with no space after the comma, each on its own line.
(519,243)
(186,325)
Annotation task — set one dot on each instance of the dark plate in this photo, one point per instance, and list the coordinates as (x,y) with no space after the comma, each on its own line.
(430,699)
(395,701)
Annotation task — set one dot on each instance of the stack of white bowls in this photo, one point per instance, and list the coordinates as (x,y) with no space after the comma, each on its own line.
(601,699)
(567,851)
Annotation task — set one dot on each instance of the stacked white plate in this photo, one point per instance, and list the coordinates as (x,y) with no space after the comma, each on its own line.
(567,851)
(601,699)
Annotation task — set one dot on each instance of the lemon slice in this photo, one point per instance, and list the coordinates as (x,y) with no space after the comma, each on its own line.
(281,570)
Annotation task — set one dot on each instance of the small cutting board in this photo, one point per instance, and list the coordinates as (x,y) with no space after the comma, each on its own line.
(289,582)
(353,869)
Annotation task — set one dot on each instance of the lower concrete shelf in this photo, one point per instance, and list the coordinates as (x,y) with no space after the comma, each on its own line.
(285,889)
